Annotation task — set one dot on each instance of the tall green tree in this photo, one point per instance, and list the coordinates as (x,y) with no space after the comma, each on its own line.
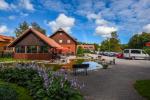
(37,27)
(138,40)
(111,44)
(80,50)
(22,27)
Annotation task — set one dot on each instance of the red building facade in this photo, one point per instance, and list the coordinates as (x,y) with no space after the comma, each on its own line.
(66,41)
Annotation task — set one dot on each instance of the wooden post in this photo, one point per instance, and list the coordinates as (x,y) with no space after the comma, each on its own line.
(37,49)
(25,49)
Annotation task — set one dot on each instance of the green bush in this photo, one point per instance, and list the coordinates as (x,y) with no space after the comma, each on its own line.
(62,89)
(7,93)
(105,66)
(10,91)
(54,67)
(59,88)
(147,50)
(79,61)
(23,77)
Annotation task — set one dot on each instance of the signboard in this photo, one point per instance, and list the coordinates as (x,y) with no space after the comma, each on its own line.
(147,44)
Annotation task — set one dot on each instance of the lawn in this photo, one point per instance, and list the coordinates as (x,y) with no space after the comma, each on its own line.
(11,60)
(9,91)
(143,88)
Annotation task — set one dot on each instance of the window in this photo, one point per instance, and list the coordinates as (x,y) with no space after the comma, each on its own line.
(126,51)
(20,49)
(31,49)
(136,51)
(43,49)
(60,41)
(68,41)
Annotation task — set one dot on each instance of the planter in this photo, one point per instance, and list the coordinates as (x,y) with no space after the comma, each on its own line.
(105,66)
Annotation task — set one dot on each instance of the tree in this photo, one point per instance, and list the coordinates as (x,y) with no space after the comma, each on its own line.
(80,50)
(111,44)
(37,27)
(138,40)
(22,27)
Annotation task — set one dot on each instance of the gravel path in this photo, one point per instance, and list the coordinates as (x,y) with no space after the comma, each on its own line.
(115,83)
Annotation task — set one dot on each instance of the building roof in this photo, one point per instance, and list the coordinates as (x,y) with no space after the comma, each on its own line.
(6,38)
(61,30)
(43,37)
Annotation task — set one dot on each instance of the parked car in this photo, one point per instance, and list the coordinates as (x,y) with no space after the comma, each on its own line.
(135,54)
(119,55)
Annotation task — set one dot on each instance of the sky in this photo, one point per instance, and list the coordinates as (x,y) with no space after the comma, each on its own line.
(89,21)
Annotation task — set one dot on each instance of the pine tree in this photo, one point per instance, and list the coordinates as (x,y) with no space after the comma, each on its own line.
(38,28)
(22,27)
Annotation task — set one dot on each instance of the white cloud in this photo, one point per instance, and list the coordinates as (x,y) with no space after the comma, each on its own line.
(146,28)
(24,14)
(3,5)
(91,16)
(104,31)
(26,4)
(62,21)
(11,17)
(3,29)
(101,22)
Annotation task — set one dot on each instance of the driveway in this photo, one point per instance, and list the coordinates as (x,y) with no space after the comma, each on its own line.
(115,83)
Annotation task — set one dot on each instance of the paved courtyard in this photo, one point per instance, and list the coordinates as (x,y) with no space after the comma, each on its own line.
(115,83)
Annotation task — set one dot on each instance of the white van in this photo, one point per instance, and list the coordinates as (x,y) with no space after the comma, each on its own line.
(135,54)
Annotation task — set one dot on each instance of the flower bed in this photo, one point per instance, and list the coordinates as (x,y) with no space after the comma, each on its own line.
(42,83)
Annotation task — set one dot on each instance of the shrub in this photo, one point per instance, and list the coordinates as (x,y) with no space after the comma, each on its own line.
(62,89)
(79,61)
(10,91)
(40,85)
(7,93)
(23,77)
(105,66)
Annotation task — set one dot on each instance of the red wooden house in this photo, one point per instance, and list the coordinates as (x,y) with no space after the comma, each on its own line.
(67,42)
(32,44)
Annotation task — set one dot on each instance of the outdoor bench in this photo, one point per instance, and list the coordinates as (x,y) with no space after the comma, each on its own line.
(79,67)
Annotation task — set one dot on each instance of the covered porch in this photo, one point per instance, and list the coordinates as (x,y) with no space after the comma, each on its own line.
(35,52)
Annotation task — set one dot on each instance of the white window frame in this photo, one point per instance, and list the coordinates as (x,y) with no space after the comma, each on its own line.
(60,41)
(68,41)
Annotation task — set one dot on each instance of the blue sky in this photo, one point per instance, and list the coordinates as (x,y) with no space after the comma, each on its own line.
(89,21)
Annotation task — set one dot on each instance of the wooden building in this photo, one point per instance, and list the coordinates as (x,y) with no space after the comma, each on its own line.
(87,47)
(66,41)
(4,42)
(34,45)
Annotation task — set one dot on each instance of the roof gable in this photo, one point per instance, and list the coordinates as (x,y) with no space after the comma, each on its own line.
(41,36)
(61,30)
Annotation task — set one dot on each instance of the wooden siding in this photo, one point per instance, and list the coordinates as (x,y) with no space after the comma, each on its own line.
(35,56)
(71,46)
(30,39)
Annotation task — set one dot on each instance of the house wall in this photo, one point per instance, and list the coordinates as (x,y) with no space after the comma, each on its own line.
(87,47)
(35,56)
(62,36)
(30,39)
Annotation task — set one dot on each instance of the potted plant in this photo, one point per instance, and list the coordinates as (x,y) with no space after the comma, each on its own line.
(105,66)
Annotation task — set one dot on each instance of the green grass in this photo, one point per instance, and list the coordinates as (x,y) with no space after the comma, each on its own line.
(22,93)
(11,60)
(143,88)
(79,61)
